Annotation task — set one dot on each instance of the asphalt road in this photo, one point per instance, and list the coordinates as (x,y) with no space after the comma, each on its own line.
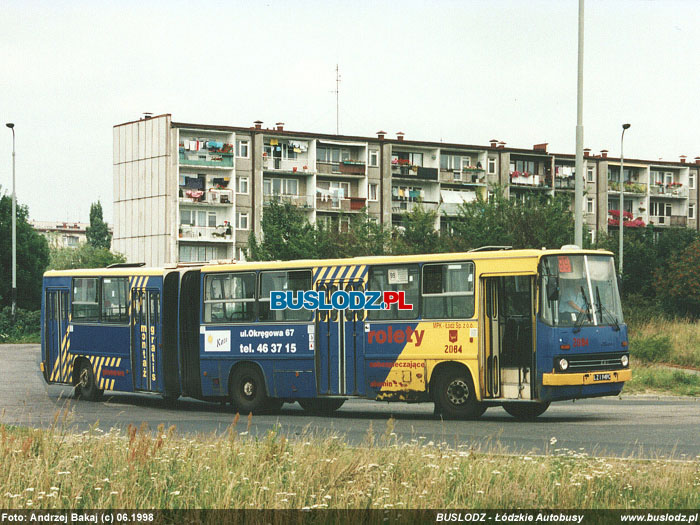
(630,426)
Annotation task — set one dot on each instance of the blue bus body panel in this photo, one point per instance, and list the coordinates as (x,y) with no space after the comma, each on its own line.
(281,350)
(589,340)
(108,346)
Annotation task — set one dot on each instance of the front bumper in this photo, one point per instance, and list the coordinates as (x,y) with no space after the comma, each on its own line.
(587,378)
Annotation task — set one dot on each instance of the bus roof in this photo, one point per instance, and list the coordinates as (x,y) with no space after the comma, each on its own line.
(397,259)
(98,272)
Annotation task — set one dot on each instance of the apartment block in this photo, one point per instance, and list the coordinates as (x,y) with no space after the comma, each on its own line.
(195,192)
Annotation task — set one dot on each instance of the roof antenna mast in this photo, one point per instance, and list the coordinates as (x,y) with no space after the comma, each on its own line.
(337,100)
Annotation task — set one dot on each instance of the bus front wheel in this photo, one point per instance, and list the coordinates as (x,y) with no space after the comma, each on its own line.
(86,387)
(525,411)
(248,390)
(455,397)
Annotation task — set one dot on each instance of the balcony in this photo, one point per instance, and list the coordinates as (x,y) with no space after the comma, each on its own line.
(206,158)
(564,183)
(669,220)
(280,165)
(409,206)
(330,203)
(349,167)
(205,233)
(639,188)
(464,176)
(212,197)
(301,201)
(672,190)
(525,179)
(410,171)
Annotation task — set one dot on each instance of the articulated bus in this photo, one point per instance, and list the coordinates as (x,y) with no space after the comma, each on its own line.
(511,328)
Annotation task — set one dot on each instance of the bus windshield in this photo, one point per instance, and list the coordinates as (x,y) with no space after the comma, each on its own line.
(579,290)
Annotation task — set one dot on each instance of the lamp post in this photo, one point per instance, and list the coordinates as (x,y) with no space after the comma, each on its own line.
(14,226)
(625,127)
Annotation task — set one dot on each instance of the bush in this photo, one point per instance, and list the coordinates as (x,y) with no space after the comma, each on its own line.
(656,348)
(26,328)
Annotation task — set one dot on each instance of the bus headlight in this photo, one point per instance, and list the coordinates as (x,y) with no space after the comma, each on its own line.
(563,364)
(625,360)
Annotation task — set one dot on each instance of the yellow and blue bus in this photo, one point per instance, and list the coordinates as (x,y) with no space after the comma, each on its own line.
(511,328)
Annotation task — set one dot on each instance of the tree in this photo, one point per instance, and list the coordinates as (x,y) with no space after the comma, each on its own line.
(97,233)
(286,235)
(84,256)
(540,221)
(417,233)
(362,237)
(32,257)
(678,284)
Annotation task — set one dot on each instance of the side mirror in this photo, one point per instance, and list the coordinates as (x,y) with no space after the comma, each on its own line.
(553,288)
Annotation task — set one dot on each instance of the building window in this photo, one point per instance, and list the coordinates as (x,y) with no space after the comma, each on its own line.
(240,254)
(242,185)
(280,187)
(242,148)
(590,174)
(691,181)
(201,253)
(691,211)
(373,158)
(492,166)
(590,205)
(414,159)
(373,192)
(242,221)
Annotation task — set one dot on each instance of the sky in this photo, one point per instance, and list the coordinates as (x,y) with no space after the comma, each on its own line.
(459,71)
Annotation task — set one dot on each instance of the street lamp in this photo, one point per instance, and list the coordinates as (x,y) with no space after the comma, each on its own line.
(625,127)
(14,225)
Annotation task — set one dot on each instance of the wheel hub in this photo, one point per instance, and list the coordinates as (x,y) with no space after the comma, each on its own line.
(83,377)
(457,392)
(248,388)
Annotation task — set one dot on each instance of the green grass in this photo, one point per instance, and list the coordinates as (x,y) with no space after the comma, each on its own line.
(142,469)
(666,341)
(655,379)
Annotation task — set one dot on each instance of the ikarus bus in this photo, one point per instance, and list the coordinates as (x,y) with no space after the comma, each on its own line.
(512,328)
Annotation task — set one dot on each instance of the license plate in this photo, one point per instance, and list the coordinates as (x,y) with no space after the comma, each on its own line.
(601,377)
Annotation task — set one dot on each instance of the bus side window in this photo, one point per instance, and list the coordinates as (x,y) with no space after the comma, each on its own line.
(291,281)
(86,306)
(448,291)
(229,298)
(404,278)
(114,292)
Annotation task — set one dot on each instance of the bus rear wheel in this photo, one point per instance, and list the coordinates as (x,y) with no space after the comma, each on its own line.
(86,387)
(320,406)
(526,411)
(455,397)
(248,390)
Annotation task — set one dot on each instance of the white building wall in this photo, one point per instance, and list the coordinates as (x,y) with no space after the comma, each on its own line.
(142,199)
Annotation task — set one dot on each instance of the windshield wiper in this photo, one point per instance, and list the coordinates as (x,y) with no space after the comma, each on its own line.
(603,310)
(585,315)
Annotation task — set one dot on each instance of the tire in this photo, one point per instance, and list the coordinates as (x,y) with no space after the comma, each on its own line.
(86,387)
(321,406)
(455,397)
(248,392)
(526,411)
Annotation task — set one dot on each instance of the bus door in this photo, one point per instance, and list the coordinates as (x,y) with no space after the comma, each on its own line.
(509,336)
(492,347)
(339,344)
(56,333)
(146,344)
